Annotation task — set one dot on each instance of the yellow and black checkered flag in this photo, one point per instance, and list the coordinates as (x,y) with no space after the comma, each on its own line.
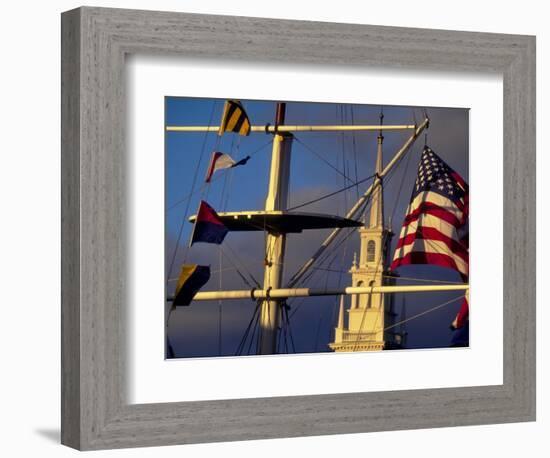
(234,119)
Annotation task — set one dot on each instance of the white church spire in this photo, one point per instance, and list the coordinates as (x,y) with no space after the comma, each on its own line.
(369,315)
(376,217)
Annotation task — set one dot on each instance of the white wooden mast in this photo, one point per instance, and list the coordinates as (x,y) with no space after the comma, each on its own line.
(277,199)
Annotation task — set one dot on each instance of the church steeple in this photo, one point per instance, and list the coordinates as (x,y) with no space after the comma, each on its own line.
(369,315)
(376,216)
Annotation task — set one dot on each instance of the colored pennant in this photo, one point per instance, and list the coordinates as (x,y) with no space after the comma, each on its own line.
(220,161)
(191,279)
(208,227)
(234,119)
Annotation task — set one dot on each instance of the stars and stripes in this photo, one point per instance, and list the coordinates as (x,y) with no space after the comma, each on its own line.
(234,119)
(436,219)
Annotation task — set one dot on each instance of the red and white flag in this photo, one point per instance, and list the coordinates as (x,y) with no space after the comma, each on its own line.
(435,227)
(220,161)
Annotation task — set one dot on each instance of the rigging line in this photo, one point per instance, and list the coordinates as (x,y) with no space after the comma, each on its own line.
(335,306)
(326,287)
(350,232)
(225,177)
(258,336)
(325,257)
(285,330)
(326,196)
(333,248)
(400,186)
(424,280)
(222,194)
(232,173)
(290,330)
(226,269)
(354,147)
(388,177)
(239,273)
(247,330)
(254,329)
(281,337)
(318,156)
(180,232)
(336,271)
(243,265)
(425,312)
(306,279)
(216,178)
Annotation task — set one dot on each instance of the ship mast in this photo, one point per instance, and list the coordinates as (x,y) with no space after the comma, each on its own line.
(277,199)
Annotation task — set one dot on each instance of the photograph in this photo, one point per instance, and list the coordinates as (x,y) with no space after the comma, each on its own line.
(296,227)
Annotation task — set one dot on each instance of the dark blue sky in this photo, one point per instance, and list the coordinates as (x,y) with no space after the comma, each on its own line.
(194,330)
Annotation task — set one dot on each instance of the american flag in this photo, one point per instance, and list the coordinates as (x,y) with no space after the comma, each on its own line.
(436,224)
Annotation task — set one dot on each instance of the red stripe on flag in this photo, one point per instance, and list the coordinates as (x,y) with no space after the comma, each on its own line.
(422,257)
(464,206)
(429,208)
(430,233)
(214,158)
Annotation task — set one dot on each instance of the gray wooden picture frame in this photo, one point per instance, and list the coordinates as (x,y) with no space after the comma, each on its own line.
(95,41)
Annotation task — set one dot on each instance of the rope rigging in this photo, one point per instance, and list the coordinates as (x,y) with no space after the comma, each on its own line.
(180,232)
(221,175)
(311,150)
(326,263)
(425,312)
(330,194)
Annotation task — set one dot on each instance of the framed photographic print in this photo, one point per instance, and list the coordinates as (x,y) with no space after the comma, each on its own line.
(281,241)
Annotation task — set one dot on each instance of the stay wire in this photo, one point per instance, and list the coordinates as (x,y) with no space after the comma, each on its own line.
(425,312)
(326,196)
(242,342)
(354,150)
(216,178)
(255,330)
(318,156)
(180,232)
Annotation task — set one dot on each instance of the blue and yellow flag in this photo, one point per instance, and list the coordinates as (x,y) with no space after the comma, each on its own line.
(192,278)
(234,119)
